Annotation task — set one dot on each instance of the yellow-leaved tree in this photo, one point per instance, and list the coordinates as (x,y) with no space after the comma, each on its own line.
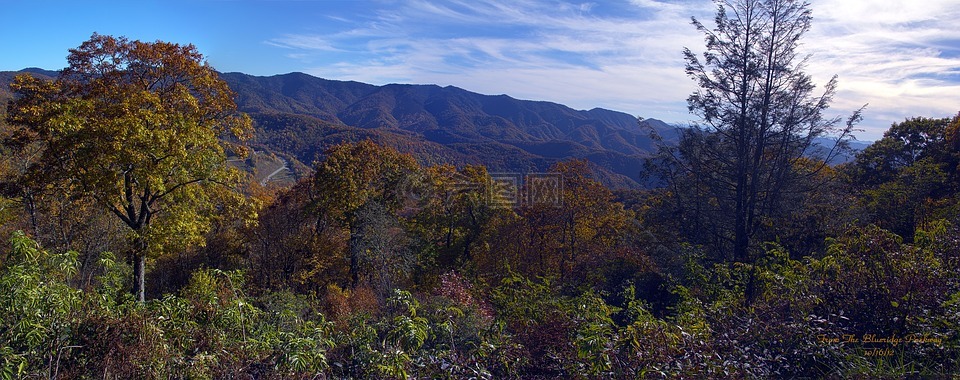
(362,187)
(143,129)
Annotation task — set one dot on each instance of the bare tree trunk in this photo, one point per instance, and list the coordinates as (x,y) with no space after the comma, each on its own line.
(139,262)
(139,270)
(355,247)
(31,206)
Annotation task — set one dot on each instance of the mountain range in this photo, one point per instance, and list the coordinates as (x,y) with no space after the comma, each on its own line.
(298,116)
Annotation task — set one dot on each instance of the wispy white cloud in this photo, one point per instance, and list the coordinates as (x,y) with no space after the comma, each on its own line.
(900,56)
(304,42)
(897,55)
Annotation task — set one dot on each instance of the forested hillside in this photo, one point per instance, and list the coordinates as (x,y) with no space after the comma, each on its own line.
(443,124)
(297,116)
(140,246)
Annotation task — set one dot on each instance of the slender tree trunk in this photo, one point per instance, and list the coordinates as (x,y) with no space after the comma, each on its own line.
(355,247)
(467,243)
(750,292)
(32,210)
(139,262)
(139,271)
(741,241)
(573,241)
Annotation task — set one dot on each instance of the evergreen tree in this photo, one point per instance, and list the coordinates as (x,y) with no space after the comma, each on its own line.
(742,166)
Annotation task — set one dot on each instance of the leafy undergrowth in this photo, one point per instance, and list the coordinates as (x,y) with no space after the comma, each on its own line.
(824,317)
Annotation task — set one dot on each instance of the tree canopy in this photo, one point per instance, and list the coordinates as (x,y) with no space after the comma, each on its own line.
(760,117)
(140,127)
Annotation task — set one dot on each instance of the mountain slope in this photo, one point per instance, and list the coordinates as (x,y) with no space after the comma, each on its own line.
(443,124)
(298,116)
(6,77)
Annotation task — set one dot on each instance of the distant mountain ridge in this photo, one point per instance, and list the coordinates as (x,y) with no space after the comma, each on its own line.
(445,124)
(298,116)
(6,77)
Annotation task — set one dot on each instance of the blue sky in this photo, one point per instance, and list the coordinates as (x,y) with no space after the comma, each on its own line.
(900,56)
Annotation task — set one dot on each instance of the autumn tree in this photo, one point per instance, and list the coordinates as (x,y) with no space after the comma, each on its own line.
(904,144)
(909,175)
(593,224)
(57,219)
(731,174)
(141,128)
(286,251)
(455,215)
(9,163)
(952,135)
(362,187)
(566,225)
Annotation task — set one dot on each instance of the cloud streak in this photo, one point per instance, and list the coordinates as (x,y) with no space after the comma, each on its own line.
(899,56)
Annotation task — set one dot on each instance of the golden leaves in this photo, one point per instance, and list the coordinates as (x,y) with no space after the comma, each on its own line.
(137,126)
